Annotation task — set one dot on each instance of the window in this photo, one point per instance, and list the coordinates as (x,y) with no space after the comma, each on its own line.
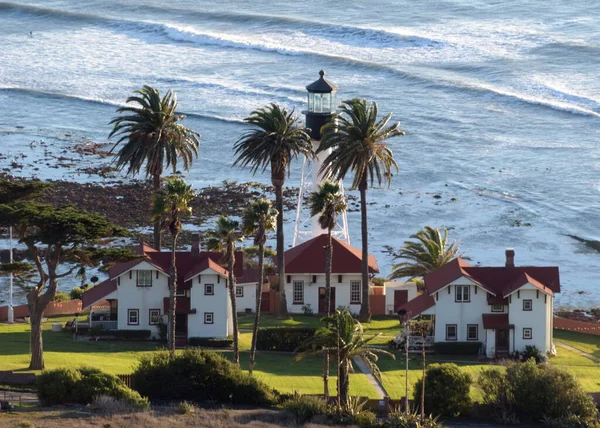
(209,289)
(472,332)
(527,305)
(497,308)
(154,316)
(298,292)
(462,293)
(144,278)
(355,291)
(180,292)
(209,317)
(451,332)
(239,291)
(527,333)
(133,317)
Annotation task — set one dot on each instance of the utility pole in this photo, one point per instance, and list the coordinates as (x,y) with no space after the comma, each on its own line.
(11,313)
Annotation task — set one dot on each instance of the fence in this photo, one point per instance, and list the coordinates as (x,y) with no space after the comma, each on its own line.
(127,379)
(577,326)
(54,308)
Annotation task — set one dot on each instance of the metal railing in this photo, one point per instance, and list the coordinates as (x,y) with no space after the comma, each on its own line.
(105,325)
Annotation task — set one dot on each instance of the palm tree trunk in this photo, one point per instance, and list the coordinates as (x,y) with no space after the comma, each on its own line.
(261,274)
(344,384)
(328,260)
(231,281)
(283,312)
(365,307)
(172,298)
(157,182)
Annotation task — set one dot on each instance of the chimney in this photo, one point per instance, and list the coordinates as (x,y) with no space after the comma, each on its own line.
(196,245)
(510,257)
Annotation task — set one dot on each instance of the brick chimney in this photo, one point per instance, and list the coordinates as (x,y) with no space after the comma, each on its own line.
(510,257)
(196,245)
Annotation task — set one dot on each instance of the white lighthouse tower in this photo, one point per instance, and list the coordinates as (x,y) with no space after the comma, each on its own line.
(321,110)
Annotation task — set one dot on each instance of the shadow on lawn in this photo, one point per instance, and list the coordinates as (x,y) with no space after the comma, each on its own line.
(592,341)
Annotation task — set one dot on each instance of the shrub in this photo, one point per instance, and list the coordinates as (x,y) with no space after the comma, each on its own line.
(305,407)
(282,338)
(457,348)
(210,342)
(446,390)
(198,376)
(529,352)
(537,393)
(412,420)
(111,406)
(76,293)
(60,297)
(366,419)
(70,385)
(186,408)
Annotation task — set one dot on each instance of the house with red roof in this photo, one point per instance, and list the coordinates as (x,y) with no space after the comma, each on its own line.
(305,275)
(504,308)
(138,293)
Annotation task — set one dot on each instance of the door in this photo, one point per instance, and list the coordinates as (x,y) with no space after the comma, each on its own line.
(265,301)
(400,298)
(322,300)
(502,342)
(181,324)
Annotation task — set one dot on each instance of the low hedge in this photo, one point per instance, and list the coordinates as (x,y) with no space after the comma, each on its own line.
(282,338)
(122,334)
(210,342)
(457,348)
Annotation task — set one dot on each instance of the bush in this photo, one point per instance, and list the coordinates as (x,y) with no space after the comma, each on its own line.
(76,293)
(446,390)
(82,385)
(60,297)
(305,407)
(529,352)
(366,419)
(282,338)
(186,408)
(412,420)
(536,393)
(457,348)
(199,376)
(210,342)
(111,406)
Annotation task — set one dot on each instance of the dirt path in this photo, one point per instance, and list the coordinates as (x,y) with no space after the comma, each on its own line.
(577,351)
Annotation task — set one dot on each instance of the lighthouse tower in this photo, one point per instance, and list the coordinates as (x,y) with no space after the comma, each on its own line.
(321,109)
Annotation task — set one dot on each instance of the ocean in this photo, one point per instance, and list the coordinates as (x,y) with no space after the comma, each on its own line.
(500,102)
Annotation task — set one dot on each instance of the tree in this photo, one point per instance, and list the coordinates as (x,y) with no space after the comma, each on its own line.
(53,236)
(276,140)
(430,251)
(356,140)
(327,203)
(259,218)
(223,239)
(151,134)
(168,206)
(342,337)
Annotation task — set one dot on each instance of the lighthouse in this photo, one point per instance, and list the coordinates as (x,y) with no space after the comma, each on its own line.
(320,111)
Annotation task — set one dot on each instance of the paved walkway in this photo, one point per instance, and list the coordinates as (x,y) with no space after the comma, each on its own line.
(364,369)
(577,351)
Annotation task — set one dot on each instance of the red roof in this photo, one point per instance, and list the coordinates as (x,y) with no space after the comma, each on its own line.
(98,292)
(418,305)
(205,263)
(309,257)
(497,280)
(493,321)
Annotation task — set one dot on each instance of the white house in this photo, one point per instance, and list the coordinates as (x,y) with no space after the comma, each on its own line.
(138,293)
(397,294)
(305,276)
(505,308)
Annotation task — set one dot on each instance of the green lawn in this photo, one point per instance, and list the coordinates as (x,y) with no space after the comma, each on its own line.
(584,342)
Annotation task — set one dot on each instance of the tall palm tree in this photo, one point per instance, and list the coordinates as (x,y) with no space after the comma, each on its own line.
(356,140)
(259,218)
(171,203)
(327,203)
(223,239)
(430,251)
(276,140)
(151,134)
(342,337)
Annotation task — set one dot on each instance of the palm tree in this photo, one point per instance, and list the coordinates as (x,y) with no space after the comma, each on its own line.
(430,251)
(275,142)
(259,218)
(150,134)
(223,239)
(170,203)
(342,337)
(327,203)
(356,140)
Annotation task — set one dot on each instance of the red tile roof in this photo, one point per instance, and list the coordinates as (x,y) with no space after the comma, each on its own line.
(418,305)
(493,321)
(309,257)
(98,292)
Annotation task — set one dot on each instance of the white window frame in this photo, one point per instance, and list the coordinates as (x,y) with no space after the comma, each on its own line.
(528,330)
(156,313)
(239,291)
(137,316)
(460,292)
(354,284)
(476,332)
(495,308)
(209,317)
(143,282)
(181,292)
(212,289)
(450,338)
(298,292)
(530,302)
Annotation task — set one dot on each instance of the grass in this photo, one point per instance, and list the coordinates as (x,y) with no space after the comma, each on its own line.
(584,342)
